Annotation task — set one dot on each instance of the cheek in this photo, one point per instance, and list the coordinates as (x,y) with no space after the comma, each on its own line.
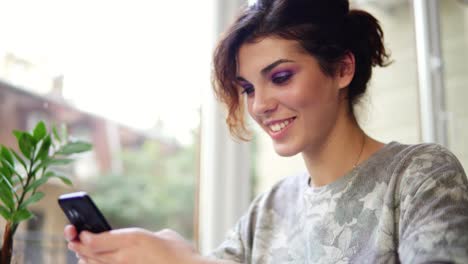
(308,90)
(303,96)
(249,103)
(315,93)
(317,103)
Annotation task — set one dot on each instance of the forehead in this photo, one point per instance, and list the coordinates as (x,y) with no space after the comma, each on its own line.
(254,56)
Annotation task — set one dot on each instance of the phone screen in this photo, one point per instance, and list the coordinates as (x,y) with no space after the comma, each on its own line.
(83,213)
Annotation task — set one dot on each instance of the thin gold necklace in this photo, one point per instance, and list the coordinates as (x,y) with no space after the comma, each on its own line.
(360,153)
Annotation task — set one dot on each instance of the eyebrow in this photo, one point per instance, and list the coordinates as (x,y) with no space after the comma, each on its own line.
(268,68)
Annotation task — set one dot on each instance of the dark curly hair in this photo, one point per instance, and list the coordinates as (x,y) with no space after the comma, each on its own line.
(325,29)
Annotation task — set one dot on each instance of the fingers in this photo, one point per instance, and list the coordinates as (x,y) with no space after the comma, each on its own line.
(89,245)
(89,256)
(112,240)
(109,247)
(168,234)
(91,261)
(82,245)
(83,251)
(70,233)
(95,243)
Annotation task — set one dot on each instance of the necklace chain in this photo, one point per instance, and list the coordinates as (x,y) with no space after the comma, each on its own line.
(360,152)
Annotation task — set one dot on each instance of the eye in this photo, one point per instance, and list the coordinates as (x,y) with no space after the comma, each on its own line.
(248,89)
(281,77)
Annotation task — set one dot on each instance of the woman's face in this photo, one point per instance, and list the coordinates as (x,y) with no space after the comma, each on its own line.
(288,95)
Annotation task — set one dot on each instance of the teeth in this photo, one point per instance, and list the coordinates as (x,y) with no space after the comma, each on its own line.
(278,126)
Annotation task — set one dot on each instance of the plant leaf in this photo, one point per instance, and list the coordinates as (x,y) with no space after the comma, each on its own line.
(37,183)
(4,170)
(7,181)
(51,162)
(18,134)
(32,199)
(44,150)
(64,131)
(8,167)
(54,162)
(49,174)
(65,180)
(5,213)
(19,159)
(6,194)
(74,147)
(26,144)
(21,215)
(56,134)
(5,153)
(40,131)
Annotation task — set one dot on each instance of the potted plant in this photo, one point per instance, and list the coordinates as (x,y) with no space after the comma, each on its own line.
(23,172)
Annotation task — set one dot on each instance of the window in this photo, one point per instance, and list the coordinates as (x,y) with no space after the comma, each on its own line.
(454,40)
(126,76)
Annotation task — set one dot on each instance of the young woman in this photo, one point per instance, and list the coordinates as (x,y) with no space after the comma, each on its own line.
(300,67)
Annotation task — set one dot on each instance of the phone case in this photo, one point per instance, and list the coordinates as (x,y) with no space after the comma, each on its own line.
(83,213)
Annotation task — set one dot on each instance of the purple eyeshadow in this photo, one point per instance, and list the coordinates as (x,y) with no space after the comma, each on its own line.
(246,86)
(281,74)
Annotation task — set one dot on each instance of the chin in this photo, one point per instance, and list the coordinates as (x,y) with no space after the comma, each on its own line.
(286,151)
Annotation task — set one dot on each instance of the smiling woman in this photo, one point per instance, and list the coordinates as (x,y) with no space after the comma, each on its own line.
(291,96)
(300,67)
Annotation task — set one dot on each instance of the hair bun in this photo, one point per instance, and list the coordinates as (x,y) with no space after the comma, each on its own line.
(309,11)
(334,8)
(366,36)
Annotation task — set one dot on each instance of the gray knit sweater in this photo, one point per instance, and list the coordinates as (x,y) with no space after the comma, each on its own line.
(405,204)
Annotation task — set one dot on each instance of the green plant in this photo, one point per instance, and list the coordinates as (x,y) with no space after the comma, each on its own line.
(23,172)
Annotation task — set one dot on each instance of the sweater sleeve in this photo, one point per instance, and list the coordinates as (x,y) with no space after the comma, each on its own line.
(232,248)
(433,208)
(238,243)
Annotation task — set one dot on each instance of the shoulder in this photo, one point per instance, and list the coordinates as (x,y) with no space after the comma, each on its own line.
(267,210)
(427,164)
(276,204)
(426,157)
(282,193)
(433,201)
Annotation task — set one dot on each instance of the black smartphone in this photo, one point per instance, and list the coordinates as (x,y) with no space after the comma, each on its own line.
(83,213)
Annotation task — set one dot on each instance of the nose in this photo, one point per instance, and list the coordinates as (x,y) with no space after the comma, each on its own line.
(263,103)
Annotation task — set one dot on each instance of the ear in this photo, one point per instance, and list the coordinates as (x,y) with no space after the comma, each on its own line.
(346,70)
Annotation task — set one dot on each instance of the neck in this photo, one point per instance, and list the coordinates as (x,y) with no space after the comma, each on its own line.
(337,154)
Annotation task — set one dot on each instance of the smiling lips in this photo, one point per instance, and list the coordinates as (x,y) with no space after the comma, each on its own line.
(277,127)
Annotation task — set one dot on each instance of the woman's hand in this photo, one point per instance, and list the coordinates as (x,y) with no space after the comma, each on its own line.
(130,245)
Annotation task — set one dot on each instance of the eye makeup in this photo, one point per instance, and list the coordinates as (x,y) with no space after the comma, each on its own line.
(246,87)
(281,76)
